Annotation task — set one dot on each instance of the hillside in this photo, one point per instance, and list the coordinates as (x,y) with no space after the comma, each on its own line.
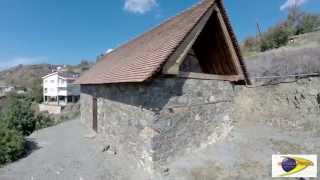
(26,75)
(300,57)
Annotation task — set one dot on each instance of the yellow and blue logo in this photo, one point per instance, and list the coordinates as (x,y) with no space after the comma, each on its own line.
(294,166)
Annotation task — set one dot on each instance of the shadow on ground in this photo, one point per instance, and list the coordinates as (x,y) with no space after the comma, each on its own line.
(30,147)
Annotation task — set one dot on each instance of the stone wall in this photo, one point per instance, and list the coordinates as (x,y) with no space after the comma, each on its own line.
(169,117)
(52,109)
(161,119)
(192,119)
(289,104)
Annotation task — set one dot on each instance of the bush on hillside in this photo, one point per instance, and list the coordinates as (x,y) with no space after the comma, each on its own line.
(37,91)
(297,23)
(250,44)
(309,24)
(11,144)
(276,37)
(43,121)
(19,115)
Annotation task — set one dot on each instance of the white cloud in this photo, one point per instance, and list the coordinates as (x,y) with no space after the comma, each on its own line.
(5,64)
(139,6)
(291,3)
(108,51)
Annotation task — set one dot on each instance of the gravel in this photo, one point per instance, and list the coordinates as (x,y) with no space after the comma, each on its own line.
(68,152)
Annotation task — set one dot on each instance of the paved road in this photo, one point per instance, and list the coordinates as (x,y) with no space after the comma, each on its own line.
(64,153)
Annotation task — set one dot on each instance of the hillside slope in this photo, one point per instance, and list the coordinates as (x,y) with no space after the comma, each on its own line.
(27,75)
(301,57)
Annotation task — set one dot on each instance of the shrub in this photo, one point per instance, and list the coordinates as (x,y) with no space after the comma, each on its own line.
(251,44)
(43,121)
(276,37)
(37,91)
(19,116)
(308,24)
(11,144)
(297,22)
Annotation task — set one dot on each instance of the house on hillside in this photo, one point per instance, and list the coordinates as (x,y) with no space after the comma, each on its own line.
(58,88)
(5,89)
(168,91)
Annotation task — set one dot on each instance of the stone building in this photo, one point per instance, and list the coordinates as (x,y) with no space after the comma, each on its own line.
(163,93)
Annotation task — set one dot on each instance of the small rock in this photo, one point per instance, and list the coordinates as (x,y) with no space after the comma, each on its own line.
(166,170)
(212,99)
(197,118)
(105,149)
(90,136)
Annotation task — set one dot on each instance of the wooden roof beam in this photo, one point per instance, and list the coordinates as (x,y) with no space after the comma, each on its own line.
(172,66)
(229,42)
(202,76)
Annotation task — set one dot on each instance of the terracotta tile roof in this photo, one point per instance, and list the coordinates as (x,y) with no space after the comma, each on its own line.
(141,58)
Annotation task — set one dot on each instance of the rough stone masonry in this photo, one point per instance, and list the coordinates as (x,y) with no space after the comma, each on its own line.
(158,120)
(168,117)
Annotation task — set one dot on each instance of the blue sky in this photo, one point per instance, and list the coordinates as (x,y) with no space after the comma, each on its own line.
(64,32)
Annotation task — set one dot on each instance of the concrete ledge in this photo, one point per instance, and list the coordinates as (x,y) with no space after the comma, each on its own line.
(52,109)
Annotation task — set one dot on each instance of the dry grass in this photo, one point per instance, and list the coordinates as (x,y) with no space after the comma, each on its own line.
(285,61)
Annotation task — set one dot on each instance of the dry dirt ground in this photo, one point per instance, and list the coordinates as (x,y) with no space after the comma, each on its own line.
(244,155)
(65,153)
(68,152)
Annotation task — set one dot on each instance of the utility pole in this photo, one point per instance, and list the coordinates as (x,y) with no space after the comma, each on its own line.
(259,35)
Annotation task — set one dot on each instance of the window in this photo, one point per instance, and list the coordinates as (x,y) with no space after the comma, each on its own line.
(52,81)
(62,81)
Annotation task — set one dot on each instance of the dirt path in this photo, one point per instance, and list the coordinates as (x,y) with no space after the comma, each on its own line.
(64,153)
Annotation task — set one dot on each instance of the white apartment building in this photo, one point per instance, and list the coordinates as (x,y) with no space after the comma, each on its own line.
(58,88)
